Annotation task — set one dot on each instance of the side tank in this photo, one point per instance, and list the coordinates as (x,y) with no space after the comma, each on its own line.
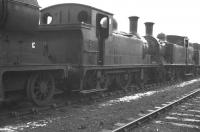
(19,15)
(125,48)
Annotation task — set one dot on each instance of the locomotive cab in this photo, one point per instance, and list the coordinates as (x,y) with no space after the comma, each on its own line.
(75,34)
(90,26)
(181,50)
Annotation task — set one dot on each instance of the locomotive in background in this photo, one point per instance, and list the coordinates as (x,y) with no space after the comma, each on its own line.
(76,48)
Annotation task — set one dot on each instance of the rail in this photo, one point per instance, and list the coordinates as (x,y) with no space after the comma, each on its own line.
(132,125)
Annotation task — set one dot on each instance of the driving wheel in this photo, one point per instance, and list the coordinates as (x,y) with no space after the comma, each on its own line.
(40,88)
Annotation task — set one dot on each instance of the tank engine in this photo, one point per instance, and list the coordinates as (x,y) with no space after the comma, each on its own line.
(76,48)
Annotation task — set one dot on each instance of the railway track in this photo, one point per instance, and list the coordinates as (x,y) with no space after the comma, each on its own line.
(184,118)
(131,126)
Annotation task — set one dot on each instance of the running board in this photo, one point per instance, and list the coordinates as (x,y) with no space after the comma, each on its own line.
(92,91)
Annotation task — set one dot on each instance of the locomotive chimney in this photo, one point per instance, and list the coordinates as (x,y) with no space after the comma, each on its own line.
(133,24)
(149,28)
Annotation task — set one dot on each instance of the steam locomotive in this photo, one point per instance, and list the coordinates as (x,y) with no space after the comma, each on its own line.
(77,48)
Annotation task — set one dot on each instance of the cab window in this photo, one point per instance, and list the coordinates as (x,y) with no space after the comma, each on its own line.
(84,17)
(102,25)
(47,18)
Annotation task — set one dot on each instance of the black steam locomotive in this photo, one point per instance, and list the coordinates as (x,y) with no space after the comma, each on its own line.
(76,48)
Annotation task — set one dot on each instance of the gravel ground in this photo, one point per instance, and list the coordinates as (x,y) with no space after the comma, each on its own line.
(98,116)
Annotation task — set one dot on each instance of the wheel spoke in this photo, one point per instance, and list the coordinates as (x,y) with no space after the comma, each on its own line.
(41,88)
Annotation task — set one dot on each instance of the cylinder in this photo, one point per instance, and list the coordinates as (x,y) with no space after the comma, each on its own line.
(19,15)
(149,28)
(133,24)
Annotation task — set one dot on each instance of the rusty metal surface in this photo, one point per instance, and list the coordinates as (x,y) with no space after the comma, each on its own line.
(176,54)
(22,16)
(123,50)
(133,20)
(149,28)
(42,48)
(179,54)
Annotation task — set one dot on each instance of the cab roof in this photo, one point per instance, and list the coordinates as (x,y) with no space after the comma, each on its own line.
(76,4)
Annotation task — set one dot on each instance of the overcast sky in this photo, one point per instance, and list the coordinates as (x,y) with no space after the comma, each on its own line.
(179,17)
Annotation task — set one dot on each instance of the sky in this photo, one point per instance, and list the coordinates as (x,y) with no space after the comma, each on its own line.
(174,17)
